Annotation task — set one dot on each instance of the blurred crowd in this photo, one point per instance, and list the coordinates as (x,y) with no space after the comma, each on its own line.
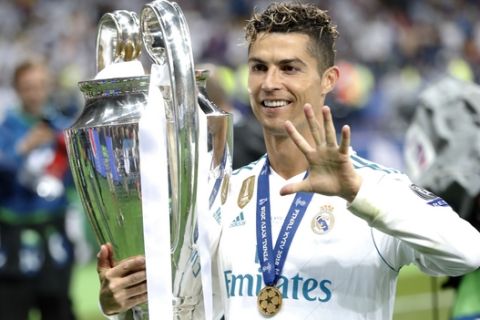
(388,51)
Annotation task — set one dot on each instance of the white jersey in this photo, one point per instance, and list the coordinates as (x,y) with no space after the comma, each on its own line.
(344,260)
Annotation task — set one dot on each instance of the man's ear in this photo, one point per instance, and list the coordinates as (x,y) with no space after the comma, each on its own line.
(329,79)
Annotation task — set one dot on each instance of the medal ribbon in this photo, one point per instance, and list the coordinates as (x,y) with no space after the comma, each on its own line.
(272,259)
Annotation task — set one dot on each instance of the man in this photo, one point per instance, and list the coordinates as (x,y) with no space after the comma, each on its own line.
(35,254)
(323,232)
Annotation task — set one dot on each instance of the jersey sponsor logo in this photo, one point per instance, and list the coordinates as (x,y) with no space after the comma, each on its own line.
(296,288)
(238,221)
(246,192)
(324,221)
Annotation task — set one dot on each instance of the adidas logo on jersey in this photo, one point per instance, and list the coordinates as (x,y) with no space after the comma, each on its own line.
(238,221)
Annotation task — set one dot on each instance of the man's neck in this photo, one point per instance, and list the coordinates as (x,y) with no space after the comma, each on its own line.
(284,156)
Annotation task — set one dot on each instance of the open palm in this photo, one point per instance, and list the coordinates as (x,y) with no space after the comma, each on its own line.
(331,171)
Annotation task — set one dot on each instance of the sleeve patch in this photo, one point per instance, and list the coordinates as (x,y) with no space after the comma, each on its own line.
(438,202)
(423,193)
(430,197)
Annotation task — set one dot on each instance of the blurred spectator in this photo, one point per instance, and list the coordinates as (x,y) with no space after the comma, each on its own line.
(35,253)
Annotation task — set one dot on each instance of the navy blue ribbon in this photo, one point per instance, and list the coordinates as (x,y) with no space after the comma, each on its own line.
(272,259)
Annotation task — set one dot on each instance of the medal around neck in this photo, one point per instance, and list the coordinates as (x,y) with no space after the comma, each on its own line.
(269,301)
(272,259)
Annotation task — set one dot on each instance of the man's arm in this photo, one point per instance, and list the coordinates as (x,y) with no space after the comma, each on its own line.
(441,242)
(431,234)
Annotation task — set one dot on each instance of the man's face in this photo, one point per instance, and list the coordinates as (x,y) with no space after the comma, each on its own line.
(283,76)
(33,89)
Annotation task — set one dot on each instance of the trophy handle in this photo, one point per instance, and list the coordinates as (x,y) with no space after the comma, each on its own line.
(167,41)
(118,38)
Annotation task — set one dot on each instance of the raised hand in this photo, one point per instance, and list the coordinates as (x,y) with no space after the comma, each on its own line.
(331,171)
(122,286)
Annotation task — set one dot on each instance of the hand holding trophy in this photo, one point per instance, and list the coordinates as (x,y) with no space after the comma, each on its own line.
(111,162)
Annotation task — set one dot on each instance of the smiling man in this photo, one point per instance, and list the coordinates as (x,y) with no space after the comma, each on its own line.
(311,230)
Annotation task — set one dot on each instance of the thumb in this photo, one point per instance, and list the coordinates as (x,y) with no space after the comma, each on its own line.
(302,186)
(104,259)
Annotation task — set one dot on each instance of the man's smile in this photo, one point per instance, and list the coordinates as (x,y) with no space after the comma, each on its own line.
(275,103)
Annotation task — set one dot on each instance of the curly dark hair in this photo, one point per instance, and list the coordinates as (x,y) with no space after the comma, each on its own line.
(297,17)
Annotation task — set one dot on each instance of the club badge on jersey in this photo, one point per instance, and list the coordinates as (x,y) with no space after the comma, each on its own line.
(323,221)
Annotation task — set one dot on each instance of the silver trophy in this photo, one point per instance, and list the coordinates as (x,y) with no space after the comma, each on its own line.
(103,144)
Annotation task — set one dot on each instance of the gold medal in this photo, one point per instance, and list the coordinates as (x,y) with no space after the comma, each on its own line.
(269,301)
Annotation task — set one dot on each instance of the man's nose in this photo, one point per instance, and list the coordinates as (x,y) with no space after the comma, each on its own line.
(271,80)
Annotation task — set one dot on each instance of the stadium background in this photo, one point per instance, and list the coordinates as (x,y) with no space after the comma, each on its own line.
(388,51)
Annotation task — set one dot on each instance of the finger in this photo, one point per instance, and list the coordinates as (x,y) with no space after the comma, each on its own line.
(103,259)
(303,186)
(136,290)
(110,253)
(127,266)
(330,134)
(124,288)
(140,299)
(129,286)
(297,138)
(135,279)
(317,132)
(345,140)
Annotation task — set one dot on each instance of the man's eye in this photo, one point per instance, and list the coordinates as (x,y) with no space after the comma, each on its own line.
(258,67)
(289,69)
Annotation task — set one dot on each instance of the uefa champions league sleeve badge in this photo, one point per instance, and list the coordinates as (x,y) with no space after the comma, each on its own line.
(323,221)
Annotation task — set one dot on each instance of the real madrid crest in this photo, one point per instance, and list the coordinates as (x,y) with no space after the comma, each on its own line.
(246,192)
(323,221)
